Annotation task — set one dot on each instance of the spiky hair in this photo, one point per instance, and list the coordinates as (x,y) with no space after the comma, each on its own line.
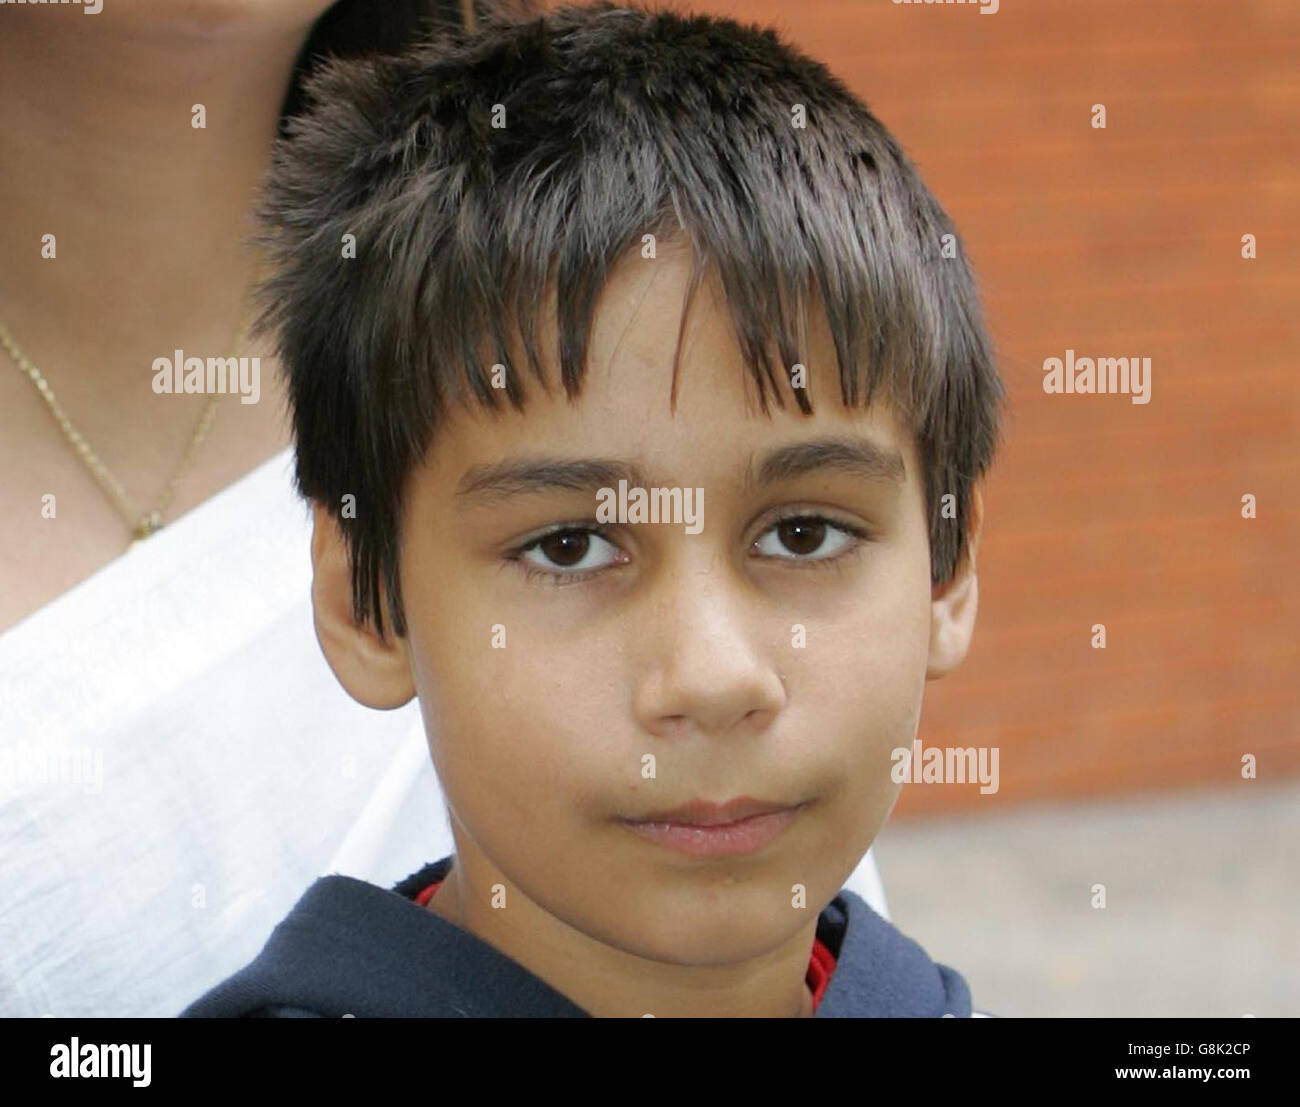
(620,121)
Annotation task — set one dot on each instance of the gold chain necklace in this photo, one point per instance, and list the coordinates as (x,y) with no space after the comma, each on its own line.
(142,523)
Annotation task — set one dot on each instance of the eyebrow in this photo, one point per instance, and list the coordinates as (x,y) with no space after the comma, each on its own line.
(497,481)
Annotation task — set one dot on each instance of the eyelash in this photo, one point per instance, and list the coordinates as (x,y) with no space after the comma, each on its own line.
(560,579)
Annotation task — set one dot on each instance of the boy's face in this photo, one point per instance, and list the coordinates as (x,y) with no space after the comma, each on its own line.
(754,658)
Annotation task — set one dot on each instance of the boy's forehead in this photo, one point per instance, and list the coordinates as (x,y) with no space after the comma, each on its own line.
(716,427)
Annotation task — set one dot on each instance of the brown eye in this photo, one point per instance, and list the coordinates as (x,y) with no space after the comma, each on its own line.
(566,547)
(802,536)
(799,537)
(568,555)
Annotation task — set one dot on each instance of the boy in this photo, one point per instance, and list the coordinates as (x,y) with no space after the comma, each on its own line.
(663,755)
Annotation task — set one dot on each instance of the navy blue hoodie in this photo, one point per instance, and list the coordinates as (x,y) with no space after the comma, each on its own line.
(349,947)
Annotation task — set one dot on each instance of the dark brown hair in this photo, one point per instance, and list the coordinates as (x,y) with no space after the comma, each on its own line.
(352,28)
(622,121)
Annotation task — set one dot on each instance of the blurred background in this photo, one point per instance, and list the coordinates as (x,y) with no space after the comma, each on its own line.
(1120,766)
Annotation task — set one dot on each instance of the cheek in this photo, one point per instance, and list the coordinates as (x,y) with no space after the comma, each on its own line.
(866,704)
(873,663)
(864,689)
(513,734)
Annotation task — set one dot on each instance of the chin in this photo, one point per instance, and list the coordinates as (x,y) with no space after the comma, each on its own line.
(720,934)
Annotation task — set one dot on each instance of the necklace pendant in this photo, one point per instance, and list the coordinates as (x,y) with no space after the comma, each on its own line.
(147,525)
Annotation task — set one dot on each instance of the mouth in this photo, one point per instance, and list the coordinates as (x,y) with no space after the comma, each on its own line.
(703,829)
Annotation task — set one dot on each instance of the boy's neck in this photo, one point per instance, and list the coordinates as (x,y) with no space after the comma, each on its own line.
(611,983)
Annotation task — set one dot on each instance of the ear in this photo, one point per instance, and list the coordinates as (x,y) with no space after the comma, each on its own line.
(374,672)
(953,604)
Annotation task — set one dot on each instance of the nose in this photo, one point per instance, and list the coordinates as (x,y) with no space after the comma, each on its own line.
(705,666)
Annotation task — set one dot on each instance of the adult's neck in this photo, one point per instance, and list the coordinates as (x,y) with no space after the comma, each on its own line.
(97,148)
